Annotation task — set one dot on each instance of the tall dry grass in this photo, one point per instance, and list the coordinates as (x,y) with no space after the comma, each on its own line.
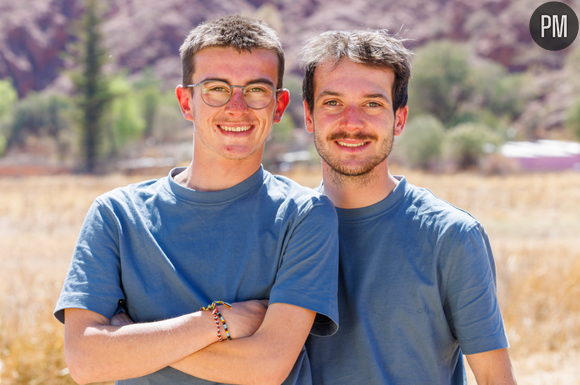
(40,218)
(533,222)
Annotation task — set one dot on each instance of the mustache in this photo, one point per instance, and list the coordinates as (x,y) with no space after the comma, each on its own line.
(356,136)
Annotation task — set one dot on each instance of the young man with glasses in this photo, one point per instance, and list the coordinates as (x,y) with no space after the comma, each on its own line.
(151,255)
(417,286)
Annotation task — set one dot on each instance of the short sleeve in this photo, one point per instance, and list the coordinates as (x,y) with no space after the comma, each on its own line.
(308,275)
(93,281)
(470,295)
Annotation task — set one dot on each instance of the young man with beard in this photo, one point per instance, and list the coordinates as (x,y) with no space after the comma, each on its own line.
(417,282)
(222,229)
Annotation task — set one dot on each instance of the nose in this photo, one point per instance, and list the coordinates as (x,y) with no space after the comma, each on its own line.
(236,104)
(352,119)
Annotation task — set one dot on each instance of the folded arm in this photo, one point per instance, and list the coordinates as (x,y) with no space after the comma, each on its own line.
(267,357)
(492,368)
(97,350)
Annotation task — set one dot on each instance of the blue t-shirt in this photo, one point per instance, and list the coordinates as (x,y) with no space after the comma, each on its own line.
(164,250)
(416,288)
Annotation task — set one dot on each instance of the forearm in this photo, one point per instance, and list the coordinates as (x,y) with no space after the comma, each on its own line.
(97,351)
(492,368)
(239,361)
(267,357)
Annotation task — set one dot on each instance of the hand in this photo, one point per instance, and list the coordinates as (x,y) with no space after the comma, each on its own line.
(244,318)
(121,319)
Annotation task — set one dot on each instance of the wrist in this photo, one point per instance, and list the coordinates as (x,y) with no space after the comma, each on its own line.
(219,321)
(208,326)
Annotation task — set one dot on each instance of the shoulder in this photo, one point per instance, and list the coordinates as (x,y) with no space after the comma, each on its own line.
(132,195)
(438,223)
(432,212)
(295,196)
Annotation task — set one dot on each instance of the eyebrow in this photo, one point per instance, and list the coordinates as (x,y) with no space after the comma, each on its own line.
(367,96)
(259,80)
(379,96)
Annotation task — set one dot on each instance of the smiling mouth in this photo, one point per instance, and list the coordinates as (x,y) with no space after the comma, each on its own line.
(235,129)
(351,144)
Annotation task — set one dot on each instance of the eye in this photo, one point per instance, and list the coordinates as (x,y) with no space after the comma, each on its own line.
(218,89)
(256,89)
(331,103)
(374,104)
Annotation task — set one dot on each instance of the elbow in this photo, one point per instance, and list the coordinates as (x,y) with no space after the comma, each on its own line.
(273,372)
(78,366)
(77,374)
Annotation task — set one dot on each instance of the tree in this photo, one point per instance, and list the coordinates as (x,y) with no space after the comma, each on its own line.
(420,143)
(439,83)
(43,116)
(467,143)
(7,101)
(573,118)
(91,85)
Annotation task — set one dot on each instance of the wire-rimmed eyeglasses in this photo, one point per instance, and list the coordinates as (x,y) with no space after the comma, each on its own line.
(217,93)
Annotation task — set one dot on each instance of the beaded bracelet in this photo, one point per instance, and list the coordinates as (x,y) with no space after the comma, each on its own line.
(212,307)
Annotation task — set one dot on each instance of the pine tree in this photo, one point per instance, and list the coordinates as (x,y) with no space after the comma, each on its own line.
(91,85)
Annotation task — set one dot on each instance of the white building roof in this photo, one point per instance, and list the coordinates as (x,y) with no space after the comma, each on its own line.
(540,148)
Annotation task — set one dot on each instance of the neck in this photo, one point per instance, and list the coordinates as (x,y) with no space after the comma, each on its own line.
(215,173)
(351,192)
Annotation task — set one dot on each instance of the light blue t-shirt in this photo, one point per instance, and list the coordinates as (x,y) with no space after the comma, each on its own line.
(416,288)
(164,250)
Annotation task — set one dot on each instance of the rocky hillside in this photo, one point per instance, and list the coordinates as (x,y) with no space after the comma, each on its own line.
(148,33)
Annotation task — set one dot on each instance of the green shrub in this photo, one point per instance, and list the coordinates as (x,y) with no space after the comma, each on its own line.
(420,143)
(439,83)
(467,143)
(41,115)
(573,118)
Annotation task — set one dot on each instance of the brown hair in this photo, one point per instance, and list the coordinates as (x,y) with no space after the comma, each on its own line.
(234,31)
(373,48)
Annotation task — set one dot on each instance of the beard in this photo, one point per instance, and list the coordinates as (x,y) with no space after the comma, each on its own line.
(360,173)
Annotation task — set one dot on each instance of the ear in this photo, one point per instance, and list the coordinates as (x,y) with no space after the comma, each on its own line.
(401,119)
(183,95)
(282,101)
(308,122)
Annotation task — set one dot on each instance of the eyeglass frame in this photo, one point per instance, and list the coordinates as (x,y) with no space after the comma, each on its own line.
(275,91)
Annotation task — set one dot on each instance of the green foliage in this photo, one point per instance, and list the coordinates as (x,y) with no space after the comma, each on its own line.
(466,143)
(125,116)
(169,124)
(457,88)
(91,85)
(41,115)
(9,97)
(283,131)
(3,144)
(438,85)
(7,101)
(148,95)
(420,143)
(296,108)
(573,118)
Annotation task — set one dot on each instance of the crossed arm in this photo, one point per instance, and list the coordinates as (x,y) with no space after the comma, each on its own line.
(96,350)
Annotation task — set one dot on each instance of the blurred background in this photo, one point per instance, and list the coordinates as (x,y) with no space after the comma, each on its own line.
(87,104)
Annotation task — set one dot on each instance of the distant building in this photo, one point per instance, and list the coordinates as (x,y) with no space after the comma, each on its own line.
(547,155)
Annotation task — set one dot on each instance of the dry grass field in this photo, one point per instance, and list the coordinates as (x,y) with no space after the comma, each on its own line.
(533,222)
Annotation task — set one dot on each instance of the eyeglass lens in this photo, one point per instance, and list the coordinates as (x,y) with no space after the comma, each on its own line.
(217,93)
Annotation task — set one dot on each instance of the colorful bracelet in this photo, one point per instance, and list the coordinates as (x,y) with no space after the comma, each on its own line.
(212,308)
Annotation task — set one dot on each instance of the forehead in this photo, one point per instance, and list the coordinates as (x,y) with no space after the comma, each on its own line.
(235,67)
(351,78)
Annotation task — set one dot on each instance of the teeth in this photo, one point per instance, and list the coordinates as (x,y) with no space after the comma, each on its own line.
(235,129)
(351,144)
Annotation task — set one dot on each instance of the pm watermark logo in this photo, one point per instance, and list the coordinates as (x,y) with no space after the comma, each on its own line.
(554,26)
